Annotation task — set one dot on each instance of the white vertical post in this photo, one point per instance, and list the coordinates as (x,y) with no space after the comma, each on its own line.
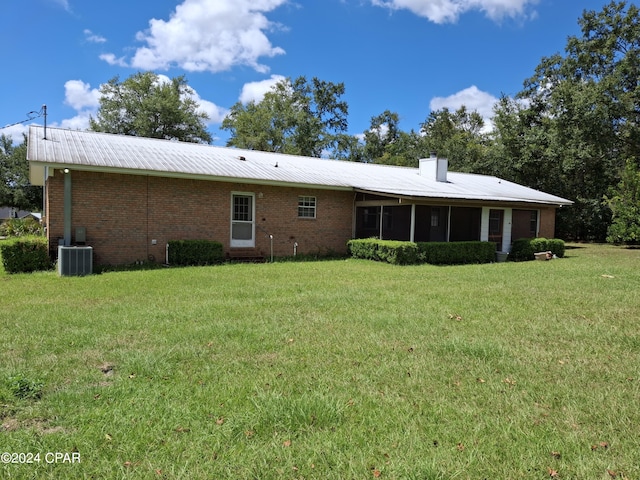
(506,229)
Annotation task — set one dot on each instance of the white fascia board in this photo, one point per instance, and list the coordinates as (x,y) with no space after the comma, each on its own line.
(155,173)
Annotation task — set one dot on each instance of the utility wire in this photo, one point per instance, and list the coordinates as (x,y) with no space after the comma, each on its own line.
(32,115)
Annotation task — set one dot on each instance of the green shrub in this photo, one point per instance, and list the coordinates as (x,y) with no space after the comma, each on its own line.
(523,249)
(410,253)
(557,246)
(390,251)
(457,253)
(398,253)
(24,256)
(366,248)
(195,252)
(20,227)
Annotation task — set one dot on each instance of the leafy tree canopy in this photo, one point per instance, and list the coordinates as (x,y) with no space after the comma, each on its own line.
(457,136)
(146,105)
(597,82)
(625,205)
(385,143)
(15,189)
(577,119)
(294,117)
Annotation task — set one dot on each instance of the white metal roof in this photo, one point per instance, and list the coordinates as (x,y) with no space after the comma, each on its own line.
(84,150)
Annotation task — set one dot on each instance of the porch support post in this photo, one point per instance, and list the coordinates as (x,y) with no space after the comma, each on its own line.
(449,223)
(412,234)
(506,229)
(484,225)
(381,220)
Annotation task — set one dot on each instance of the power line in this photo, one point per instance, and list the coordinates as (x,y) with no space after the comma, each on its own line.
(32,115)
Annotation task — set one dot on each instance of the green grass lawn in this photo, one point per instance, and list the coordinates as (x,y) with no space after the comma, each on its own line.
(327,370)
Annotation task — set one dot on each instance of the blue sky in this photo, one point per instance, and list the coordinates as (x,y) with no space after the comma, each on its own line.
(406,56)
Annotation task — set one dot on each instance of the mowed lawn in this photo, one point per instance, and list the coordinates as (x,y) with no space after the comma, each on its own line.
(342,369)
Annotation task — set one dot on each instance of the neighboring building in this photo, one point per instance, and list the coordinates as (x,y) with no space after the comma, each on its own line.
(7,213)
(128,196)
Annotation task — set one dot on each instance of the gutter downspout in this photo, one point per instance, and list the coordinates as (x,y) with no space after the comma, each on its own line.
(67,207)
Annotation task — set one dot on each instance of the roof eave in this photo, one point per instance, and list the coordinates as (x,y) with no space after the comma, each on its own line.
(36,167)
(466,199)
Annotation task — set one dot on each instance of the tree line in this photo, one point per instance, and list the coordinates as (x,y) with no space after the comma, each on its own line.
(572,131)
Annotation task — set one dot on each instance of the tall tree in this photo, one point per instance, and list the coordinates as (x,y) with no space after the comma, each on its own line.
(15,189)
(523,148)
(349,148)
(625,205)
(587,104)
(386,143)
(457,136)
(383,131)
(295,117)
(145,105)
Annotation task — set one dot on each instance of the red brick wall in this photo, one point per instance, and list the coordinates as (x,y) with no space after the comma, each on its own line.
(122,214)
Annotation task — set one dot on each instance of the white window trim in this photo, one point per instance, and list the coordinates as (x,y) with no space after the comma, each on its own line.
(314,207)
(234,243)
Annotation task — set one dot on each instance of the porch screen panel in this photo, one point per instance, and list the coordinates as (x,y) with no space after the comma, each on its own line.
(367,222)
(465,224)
(396,223)
(431,223)
(524,224)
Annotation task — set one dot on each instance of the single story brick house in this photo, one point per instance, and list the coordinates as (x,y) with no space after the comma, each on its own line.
(128,196)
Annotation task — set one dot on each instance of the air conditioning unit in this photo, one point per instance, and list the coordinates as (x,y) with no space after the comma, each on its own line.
(75,260)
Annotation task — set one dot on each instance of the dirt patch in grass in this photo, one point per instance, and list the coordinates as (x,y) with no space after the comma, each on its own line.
(38,424)
(10,424)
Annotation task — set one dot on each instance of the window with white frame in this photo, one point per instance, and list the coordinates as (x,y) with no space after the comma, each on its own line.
(306,207)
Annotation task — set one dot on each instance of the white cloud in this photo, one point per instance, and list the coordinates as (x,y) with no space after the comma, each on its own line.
(79,122)
(84,100)
(93,38)
(80,96)
(208,35)
(16,131)
(254,91)
(64,4)
(448,11)
(111,59)
(473,99)
(216,113)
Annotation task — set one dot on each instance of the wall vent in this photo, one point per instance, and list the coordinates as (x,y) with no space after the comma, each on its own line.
(75,260)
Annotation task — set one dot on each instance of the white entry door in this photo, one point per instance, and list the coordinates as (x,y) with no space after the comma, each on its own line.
(242,220)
